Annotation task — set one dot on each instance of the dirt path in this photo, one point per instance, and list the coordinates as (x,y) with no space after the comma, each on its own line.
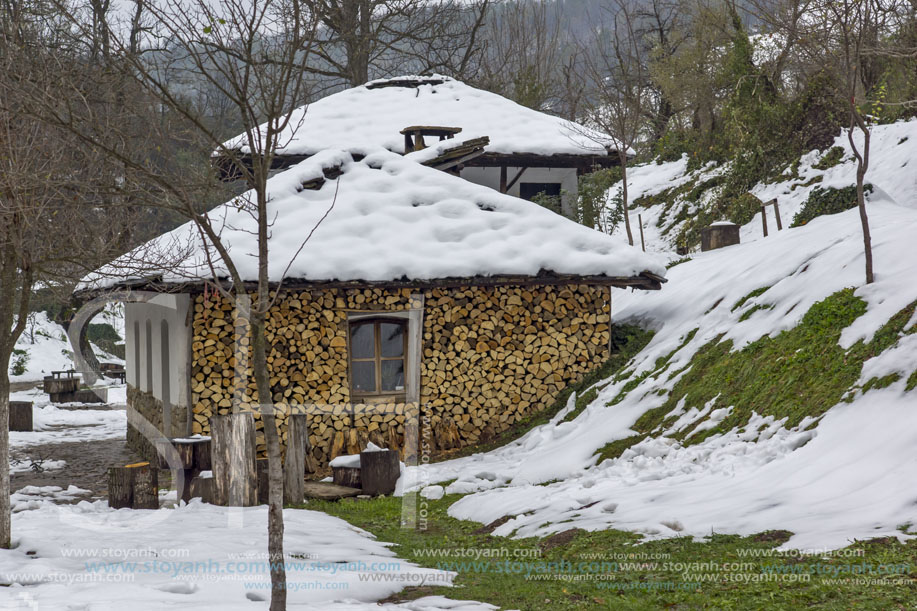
(87,464)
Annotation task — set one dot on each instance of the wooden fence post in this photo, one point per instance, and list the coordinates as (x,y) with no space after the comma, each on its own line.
(777,214)
(642,243)
(764,218)
(235,481)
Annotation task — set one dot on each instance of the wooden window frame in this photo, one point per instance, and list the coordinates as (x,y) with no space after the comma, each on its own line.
(377,358)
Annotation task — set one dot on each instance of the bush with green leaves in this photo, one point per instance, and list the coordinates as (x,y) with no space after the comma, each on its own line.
(596,205)
(829,200)
(19,362)
(830,159)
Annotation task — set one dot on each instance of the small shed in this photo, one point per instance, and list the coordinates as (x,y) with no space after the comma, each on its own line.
(419,295)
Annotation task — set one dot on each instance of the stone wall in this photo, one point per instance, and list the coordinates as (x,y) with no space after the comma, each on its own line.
(148,407)
(489,357)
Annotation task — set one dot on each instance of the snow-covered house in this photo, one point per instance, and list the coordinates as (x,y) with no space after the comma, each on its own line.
(481,136)
(415,288)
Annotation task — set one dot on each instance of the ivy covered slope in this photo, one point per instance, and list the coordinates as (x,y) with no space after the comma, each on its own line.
(777,392)
(678,198)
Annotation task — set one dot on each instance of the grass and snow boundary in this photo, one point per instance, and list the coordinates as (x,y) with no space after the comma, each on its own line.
(829,478)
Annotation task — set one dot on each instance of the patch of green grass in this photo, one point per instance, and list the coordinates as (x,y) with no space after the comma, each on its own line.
(827,201)
(660,366)
(607,570)
(801,372)
(614,449)
(911,382)
(672,264)
(751,295)
(758,306)
(883,382)
(830,159)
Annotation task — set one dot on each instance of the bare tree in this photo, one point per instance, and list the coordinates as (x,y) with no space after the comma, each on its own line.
(360,39)
(54,222)
(253,54)
(617,70)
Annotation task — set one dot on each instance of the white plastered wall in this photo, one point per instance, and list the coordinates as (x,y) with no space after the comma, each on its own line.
(490,177)
(174,310)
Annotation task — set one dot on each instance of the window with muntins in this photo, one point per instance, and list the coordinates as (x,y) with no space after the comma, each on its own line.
(378,347)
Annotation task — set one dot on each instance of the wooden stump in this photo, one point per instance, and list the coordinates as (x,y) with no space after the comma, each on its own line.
(202,488)
(146,486)
(379,472)
(134,486)
(346,476)
(233,456)
(120,488)
(20,415)
(294,462)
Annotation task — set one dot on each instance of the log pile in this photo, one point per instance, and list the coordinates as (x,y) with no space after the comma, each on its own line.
(489,356)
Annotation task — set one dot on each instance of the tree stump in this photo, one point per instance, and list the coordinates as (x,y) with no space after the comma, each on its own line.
(235,480)
(346,476)
(379,471)
(133,486)
(20,415)
(202,488)
(294,462)
(146,486)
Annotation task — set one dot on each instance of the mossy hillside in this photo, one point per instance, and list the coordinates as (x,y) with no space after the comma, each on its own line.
(658,575)
(801,372)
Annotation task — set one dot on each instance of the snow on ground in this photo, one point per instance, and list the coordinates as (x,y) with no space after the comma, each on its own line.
(46,348)
(54,424)
(838,481)
(198,556)
(893,150)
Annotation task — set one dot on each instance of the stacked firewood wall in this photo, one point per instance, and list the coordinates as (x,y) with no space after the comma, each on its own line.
(489,357)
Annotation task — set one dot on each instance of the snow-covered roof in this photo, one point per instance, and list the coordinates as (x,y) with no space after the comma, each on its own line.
(375,113)
(387,218)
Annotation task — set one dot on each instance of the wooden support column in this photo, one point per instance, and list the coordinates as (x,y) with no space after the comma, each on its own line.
(233,457)
(515,178)
(502,179)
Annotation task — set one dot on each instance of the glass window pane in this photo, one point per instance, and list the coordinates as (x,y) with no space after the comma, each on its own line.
(362,342)
(393,375)
(364,376)
(392,339)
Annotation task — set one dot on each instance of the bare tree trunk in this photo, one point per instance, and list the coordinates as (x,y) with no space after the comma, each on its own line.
(862,157)
(5,526)
(275,471)
(623,157)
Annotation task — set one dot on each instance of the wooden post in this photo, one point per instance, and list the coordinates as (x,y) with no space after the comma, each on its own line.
(642,243)
(346,476)
(233,456)
(146,486)
(120,488)
(502,179)
(134,486)
(202,488)
(294,461)
(379,472)
(777,214)
(20,415)
(764,218)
